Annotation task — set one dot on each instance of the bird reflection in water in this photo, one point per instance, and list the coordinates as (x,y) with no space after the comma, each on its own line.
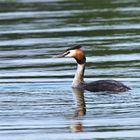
(78,127)
(80,109)
(80,102)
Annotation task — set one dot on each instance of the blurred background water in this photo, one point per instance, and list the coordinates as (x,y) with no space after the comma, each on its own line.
(36,99)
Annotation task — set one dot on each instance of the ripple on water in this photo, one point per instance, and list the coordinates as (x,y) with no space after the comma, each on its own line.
(36,99)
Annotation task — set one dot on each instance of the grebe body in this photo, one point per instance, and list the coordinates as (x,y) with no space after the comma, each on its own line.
(106,85)
(96,86)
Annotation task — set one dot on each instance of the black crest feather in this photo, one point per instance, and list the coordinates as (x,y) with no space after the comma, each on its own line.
(75,47)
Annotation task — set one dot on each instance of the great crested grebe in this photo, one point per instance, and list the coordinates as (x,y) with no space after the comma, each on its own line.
(96,86)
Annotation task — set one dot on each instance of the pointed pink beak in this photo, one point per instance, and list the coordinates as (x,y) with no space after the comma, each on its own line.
(59,56)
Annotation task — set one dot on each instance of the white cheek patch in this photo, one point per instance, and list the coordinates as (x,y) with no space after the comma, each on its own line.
(72,53)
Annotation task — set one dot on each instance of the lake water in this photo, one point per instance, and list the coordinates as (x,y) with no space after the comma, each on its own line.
(36,98)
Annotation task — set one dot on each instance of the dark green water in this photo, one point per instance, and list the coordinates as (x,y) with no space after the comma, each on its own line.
(36,99)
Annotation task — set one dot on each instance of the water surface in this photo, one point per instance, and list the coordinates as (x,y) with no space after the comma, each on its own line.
(36,98)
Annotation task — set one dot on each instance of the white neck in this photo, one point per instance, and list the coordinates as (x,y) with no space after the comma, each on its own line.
(79,75)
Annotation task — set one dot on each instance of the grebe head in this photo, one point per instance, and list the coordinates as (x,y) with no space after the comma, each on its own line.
(74,52)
